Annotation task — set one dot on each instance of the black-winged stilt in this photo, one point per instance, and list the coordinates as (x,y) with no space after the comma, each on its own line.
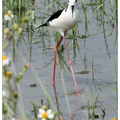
(62,21)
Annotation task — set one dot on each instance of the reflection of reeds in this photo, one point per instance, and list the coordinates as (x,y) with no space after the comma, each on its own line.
(103,8)
(116,77)
(116,87)
(93,66)
(96,5)
(116,11)
(99,15)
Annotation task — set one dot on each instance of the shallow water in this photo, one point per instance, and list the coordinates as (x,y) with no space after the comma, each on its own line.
(101,40)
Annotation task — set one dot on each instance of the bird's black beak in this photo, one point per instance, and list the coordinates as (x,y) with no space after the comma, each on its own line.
(72,7)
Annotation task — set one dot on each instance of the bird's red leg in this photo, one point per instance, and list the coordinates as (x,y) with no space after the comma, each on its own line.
(55,49)
(71,67)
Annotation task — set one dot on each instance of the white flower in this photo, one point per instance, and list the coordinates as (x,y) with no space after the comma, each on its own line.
(44,115)
(5,60)
(14,119)
(8,16)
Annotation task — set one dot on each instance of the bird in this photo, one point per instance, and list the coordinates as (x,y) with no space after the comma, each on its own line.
(63,21)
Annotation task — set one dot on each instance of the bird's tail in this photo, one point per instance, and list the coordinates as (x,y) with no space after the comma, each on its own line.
(45,24)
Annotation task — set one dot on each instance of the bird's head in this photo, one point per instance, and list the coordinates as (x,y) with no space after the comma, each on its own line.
(71,4)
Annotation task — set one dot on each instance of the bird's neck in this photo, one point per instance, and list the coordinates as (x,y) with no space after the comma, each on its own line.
(70,10)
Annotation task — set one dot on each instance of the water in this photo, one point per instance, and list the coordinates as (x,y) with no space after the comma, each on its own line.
(100,41)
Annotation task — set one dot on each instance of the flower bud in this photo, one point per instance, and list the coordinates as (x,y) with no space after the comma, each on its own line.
(17,79)
(15,95)
(21,74)
(15,26)
(24,68)
(26,19)
(28,13)
(54,112)
(20,31)
(8,73)
(44,107)
(6,30)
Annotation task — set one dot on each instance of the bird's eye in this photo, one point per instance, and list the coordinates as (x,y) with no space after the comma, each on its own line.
(68,0)
(75,0)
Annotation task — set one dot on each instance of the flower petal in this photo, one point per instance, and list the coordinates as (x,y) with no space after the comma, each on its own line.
(4,93)
(41,111)
(9,11)
(9,19)
(49,111)
(13,119)
(12,15)
(5,62)
(6,17)
(39,115)
(43,119)
(51,116)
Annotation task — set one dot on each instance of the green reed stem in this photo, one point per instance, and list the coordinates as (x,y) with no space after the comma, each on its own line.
(93,66)
(28,4)
(14,51)
(54,5)
(74,31)
(35,108)
(42,20)
(96,10)
(6,8)
(103,8)
(24,1)
(116,85)
(96,4)
(48,98)
(115,71)
(58,38)
(84,9)
(11,5)
(113,109)
(93,112)
(93,62)
(116,11)
(19,15)
(88,99)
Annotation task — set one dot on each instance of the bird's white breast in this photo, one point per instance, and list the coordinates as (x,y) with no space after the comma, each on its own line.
(65,21)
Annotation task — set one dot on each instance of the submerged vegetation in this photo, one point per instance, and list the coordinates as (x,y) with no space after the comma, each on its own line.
(20,18)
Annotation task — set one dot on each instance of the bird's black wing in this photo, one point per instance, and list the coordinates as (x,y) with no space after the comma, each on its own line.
(55,15)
